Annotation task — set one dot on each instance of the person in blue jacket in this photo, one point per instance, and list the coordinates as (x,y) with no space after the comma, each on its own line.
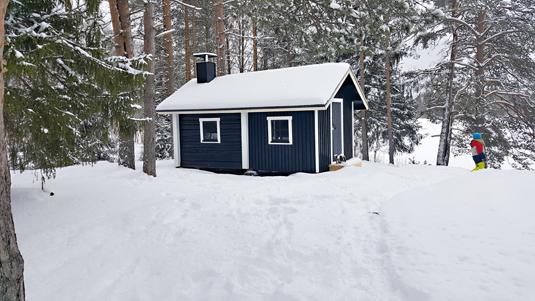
(478,151)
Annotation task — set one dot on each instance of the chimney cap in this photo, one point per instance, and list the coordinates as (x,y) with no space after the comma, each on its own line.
(205,55)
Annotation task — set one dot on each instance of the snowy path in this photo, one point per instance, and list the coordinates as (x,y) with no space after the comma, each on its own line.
(113,234)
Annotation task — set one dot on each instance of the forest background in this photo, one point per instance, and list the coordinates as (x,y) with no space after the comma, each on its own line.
(82,78)
(76,84)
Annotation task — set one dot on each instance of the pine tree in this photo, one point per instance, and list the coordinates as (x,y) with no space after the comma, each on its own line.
(62,94)
(127,127)
(404,115)
(11,262)
(492,80)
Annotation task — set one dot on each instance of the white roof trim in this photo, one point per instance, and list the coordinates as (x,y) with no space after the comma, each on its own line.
(248,110)
(359,90)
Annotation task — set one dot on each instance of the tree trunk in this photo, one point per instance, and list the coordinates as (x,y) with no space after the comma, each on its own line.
(11,262)
(388,102)
(149,140)
(127,127)
(288,49)
(227,53)
(480,57)
(207,35)
(220,31)
(242,47)
(255,48)
(365,153)
(443,154)
(193,44)
(116,24)
(124,17)
(168,43)
(186,42)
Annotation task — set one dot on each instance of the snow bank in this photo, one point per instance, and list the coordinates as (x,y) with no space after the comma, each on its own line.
(377,232)
(468,238)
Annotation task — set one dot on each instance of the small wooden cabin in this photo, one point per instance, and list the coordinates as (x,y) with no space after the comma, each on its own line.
(273,122)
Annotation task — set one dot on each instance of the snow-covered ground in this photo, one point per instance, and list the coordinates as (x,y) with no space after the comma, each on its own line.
(376,232)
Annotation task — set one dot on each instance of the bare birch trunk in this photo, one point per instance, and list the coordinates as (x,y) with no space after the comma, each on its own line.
(365,153)
(126,128)
(443,154)
(149,135)
(11,262)
(168,43)
(220,31)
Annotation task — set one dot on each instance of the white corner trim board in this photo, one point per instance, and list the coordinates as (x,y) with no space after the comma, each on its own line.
(245,140)
(176,138)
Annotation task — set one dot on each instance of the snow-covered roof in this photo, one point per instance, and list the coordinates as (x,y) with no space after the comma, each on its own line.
(303,87)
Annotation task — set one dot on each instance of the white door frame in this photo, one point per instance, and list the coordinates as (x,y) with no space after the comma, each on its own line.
(341,101)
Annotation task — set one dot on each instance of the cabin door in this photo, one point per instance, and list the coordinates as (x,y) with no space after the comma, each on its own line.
(337,126)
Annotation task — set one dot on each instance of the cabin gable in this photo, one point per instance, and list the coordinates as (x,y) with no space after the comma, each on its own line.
(350,95)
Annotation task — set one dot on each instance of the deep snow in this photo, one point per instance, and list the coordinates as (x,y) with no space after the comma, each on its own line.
(441,233)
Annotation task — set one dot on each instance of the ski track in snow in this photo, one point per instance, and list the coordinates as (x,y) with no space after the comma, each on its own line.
(110,233)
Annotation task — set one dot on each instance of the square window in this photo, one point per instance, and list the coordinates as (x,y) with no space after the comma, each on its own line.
(280,130)
(210,130)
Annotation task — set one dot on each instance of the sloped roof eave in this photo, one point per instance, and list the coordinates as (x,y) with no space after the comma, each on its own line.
(238,110)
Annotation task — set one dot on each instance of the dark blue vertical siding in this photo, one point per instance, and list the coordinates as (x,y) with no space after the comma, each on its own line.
(282,159)
(324,135)
(224,155)
(348,92)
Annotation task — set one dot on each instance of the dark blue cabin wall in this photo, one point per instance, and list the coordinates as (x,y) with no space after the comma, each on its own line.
(348,92)
(283,159)
(324,138)
(224,155)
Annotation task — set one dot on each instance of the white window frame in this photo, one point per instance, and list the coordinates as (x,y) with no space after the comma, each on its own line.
(217,120)
(289,119)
